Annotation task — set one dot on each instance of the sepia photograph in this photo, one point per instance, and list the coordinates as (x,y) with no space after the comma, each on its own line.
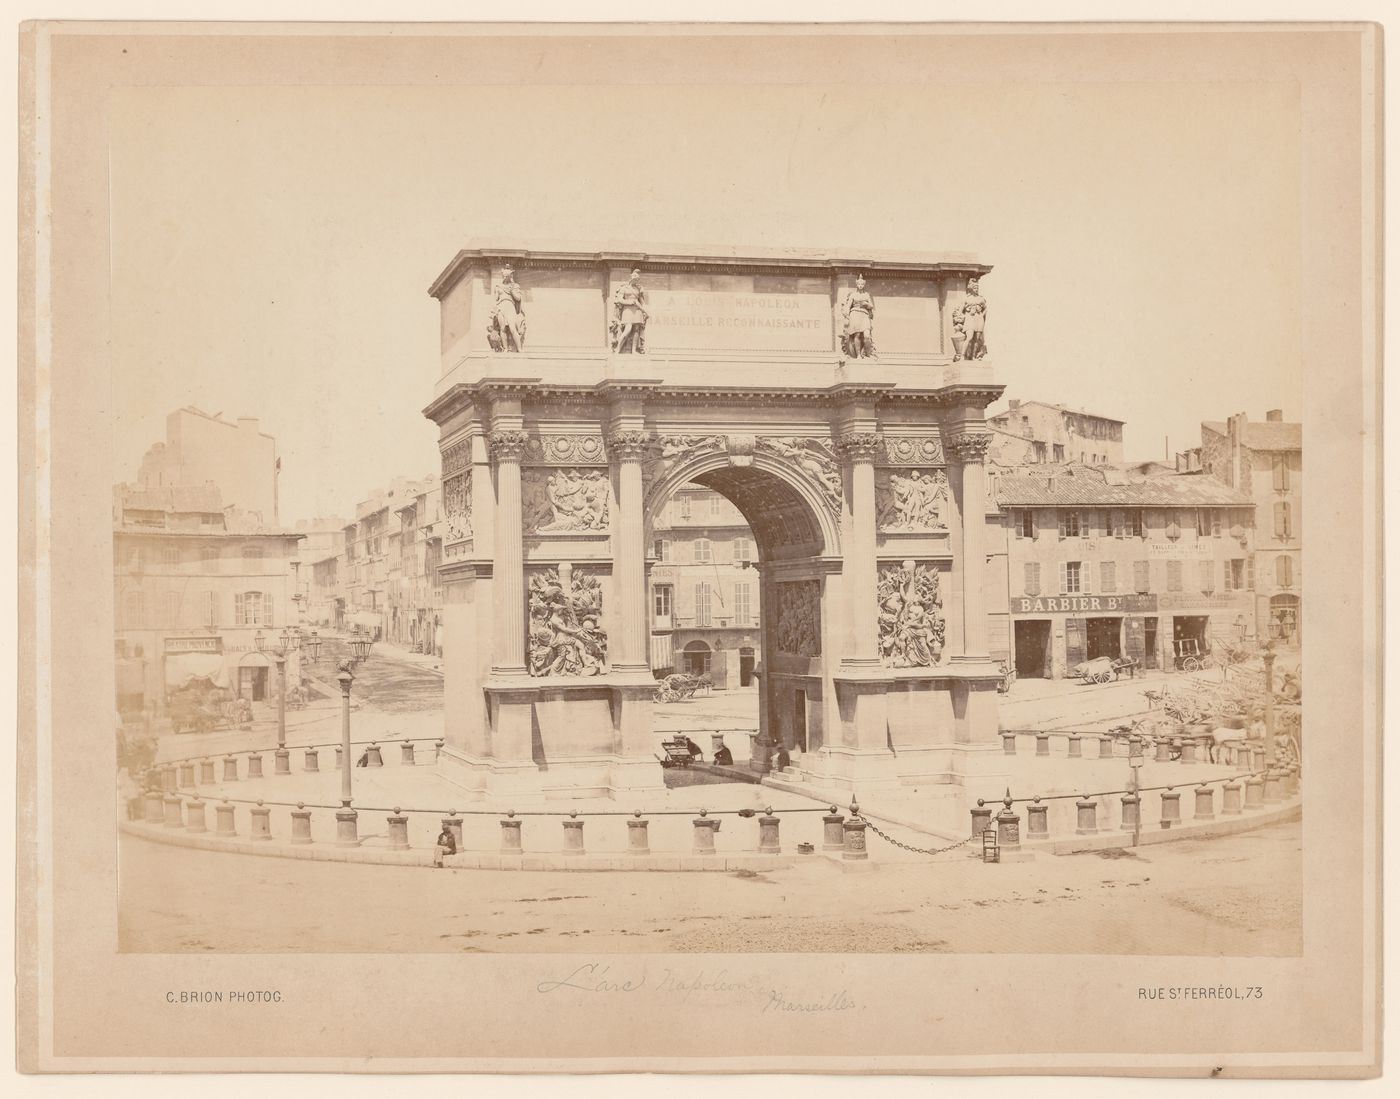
(680,529)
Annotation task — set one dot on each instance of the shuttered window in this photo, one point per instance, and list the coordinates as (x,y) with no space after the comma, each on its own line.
(1283,572)
(211,608)
(1108,577)
(1032,578)
(1207,577)
(1142,577)
(252,608)
(1071,578)
(1069,523)
(1281,472)
(702,604)
(1173,576)
(1283,525)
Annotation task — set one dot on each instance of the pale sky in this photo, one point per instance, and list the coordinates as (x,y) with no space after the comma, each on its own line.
(272,248)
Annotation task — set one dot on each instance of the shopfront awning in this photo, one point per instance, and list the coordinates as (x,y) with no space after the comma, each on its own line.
(181,668)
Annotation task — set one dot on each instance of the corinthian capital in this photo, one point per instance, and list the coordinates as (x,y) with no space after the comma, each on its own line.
(859,446)
(969,446)
(509,445)
(631,445)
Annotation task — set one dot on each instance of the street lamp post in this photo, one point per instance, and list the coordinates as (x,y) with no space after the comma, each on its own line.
(282,758)
(1269,657)
(345,817)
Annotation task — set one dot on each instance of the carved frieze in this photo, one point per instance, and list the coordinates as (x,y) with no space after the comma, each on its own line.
(926,450)
(668,451)
(457,508)
(564,500)
(909,500)
(556,449)
(910,616)
(815,457)
(456,458)
(799,617)
(566,636)
(970,446)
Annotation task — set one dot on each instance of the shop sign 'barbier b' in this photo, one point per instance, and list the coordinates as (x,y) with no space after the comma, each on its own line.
(837,401)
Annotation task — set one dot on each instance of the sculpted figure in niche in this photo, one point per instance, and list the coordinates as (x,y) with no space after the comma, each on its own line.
(629,321)
(970,325)
(564,634)
(858,313)
(505,327)
(910,619)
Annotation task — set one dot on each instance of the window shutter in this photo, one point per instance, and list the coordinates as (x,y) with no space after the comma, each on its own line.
(267,608)
(1207,577)
(239,618)
(1032,586)
(1280,472)
(1173,576)
(1086,570)
(1142,576)
(1018,519)
(1108,577)
(1063,588)
(1118,524)
(1060,517)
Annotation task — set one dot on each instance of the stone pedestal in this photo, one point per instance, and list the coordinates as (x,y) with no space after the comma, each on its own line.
(301,825)
(1205,803)
(261,827)
(255,766)
(230,769)
(223,819)
(155,807)
(168,779)
(282,762)
(637,843)
(173,811)
(1087,813)
(1171,808)
(194,816)
(1008,830)
(1008,743)
(347,828)
(406,753)
(313,760)
(981,819)
(376,757)
(1273,788)
(186,775)
(1232,803)
(1164,752)
(206,772)
(1042,744)
(1037,821)
(855,841)
(510,836)
(573,837)
(833,834)
(1076,746)
(454,826)
(768,843)
(398,831)
(1254,793)
(1131,806)
(703,839)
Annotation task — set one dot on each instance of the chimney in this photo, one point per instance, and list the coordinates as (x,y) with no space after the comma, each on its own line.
(1012,406)
(1274,416)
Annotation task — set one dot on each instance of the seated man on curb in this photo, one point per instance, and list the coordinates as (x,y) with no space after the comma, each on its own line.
(782,759)
(363,761)
(446,845)
(693,749)
(723,756)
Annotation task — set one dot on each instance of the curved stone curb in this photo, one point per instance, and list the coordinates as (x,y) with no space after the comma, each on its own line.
(468,860)
(1151,834)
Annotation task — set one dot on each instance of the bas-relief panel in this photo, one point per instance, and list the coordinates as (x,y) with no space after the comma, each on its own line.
(566,636)
(564,500)
(911,500)
(910,620)
(798,620)
(456,513)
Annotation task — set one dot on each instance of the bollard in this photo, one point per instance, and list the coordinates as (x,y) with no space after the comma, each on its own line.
(346,825)
(301,824)
(230,769)
(981,820)
(1008,743)
(255,766)
(155,807)
(282,762)
(704,837)
(637,837)
(1205,803)
(1105,746)
(339,757)
(206,772)
(855,839)
(1188,750)
(1008,829)
(187,775)
(453,824)
(194,816)
(1037,821)
(398,831)
(1273,793)
(834,836)
(1164,752)
(1258,754)
(1253,792)
(262,823)
(768,834)
(167,778)
(573,837)
(312,760)
(1132,805)
(223,819)
(1232,805)
(173,815)
(1088,815)
(1042,744)
(376,758)
(1076,746)
(1171,808)
(510,836)
(406,752)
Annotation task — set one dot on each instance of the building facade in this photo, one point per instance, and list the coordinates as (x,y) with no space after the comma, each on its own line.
(704,590)
(417,594)
(200,449)
(1038,433)
(1094,563)
(1265,461)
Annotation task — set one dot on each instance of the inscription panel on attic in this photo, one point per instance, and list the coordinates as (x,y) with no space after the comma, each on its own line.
(691,311)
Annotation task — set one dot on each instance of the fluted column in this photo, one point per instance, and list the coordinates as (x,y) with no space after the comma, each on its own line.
(861,563)
(629,564)
(509,569)
(969,450)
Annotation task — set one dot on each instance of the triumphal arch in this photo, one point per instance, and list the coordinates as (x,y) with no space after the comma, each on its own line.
(836,399)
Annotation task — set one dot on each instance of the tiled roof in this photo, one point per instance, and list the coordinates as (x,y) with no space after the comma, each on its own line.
(1077,486)
(1265,435)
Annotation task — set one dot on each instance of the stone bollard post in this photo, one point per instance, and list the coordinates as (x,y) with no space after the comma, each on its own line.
(155,807)
(1273,793)
(1088,817)
(206,772)
(1008,829)
(282,762)
(312,762)
(168,779)
(255,766)
(510,836)
(855,839)
(637,843)
(406,753)
(1008,743)
(1253,792)
(704,838)
(376,758)
(262,823)
(453,824)
(301,824)
(1042,744)
(223,819)
(174,817)
(573,837)
(1105,746)
(398,831)
(1205,803)
(1132,807)
(1164,752)
(1037,821)
(1258,754)
(981,819)
(230,769)
(186,775)
(346,828)
(1188,750)
(1076,746)
(1171,808)
(768,834)
(1232,806)
(834,836)
(194,816)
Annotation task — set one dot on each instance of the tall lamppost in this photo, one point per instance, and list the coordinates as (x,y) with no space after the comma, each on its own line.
(1269,657)
(283,758)
(313,643)
(345,817)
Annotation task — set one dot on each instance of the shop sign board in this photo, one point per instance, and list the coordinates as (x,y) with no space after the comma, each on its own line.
(1084,604)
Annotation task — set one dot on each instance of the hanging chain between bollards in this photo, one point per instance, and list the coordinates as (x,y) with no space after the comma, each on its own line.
(909,847)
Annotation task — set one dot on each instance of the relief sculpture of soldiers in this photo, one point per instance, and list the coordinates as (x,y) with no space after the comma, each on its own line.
(911,619)
(565,633)
(912,502)
(567,500)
